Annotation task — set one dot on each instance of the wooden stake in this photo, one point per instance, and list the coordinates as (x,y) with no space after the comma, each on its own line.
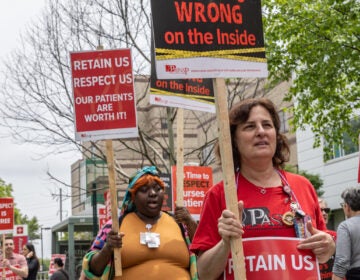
(227,164)
(114,203)
(3,272)
(180,157)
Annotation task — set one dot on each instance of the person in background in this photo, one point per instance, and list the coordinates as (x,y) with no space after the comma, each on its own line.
(15,264)
(325,210)
(326,268)
(32,261)
(153,246)
(60,273)
(347,257)
(278,198)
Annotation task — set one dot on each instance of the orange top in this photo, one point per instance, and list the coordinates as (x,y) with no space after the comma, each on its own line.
(169,261)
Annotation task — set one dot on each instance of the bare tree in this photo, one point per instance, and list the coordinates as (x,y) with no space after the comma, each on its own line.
(38,105)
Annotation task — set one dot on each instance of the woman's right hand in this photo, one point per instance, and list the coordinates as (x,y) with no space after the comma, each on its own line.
(114,239)
(229,226)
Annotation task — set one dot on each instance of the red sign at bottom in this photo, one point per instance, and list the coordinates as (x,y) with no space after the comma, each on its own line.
(273,258)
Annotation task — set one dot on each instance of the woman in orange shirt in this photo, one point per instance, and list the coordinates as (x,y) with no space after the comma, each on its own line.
(153,244)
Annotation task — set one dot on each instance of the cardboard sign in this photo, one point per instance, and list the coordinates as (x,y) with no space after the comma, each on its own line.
(197,181)
(208,39)
(192,94)
(19,242)
(273,258)
(6,215)
(104,98)
(20,237)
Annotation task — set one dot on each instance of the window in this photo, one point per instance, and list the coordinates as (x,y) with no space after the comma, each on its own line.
(164,124)
(347,147)
(283,121)
(165,154)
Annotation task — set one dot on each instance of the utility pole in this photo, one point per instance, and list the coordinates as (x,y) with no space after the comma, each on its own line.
(60,205)
(94,207)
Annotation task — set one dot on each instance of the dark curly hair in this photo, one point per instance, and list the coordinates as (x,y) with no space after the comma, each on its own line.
(239,114)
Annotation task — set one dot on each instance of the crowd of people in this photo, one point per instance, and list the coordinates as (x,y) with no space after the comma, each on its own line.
(158,245)
(272,203)
(25,266)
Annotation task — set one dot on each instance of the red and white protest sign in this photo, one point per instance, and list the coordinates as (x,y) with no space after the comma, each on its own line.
(104,97)
(6,215)
(20,237)
(102,217)
(197,181)
(273,258)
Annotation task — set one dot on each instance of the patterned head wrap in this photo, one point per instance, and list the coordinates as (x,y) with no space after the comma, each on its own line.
(127,203)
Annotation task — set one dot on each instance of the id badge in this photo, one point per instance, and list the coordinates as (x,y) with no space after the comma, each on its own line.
(300,226)
(154,240)
(142,238)
(151,239)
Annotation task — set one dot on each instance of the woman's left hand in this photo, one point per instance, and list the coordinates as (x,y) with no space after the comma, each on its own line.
(320,243)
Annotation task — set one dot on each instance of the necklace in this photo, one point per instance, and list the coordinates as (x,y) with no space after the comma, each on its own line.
(261,189)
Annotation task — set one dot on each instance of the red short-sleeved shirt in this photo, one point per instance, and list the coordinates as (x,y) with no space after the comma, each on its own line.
(262,215)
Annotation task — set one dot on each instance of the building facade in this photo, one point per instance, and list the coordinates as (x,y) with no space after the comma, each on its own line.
(338,172)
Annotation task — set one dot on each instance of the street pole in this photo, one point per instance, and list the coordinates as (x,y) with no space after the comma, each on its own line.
(42,248)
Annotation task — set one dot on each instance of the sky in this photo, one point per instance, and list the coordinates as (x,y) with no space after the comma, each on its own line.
(20,164)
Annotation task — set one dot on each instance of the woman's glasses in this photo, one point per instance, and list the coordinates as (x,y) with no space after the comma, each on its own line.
(326,210)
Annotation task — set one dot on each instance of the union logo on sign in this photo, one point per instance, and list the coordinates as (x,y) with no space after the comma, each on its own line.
(19,230)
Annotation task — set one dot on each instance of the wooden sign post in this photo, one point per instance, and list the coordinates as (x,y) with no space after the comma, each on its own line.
(180,157)
(114,203)
(3,272)
(227,163)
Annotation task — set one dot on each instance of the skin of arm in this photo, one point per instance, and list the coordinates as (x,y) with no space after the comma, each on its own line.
(182,215)
(102,258)
(212,262)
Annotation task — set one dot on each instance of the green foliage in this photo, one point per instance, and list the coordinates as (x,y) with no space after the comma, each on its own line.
(316,43)
(33,225)
(315,179)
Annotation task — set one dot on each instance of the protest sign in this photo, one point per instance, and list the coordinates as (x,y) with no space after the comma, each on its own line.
(102,217)
(276,258)
(104,98)
(20,237)
(192,94)
(208,39)
(6,215)
(197,181)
